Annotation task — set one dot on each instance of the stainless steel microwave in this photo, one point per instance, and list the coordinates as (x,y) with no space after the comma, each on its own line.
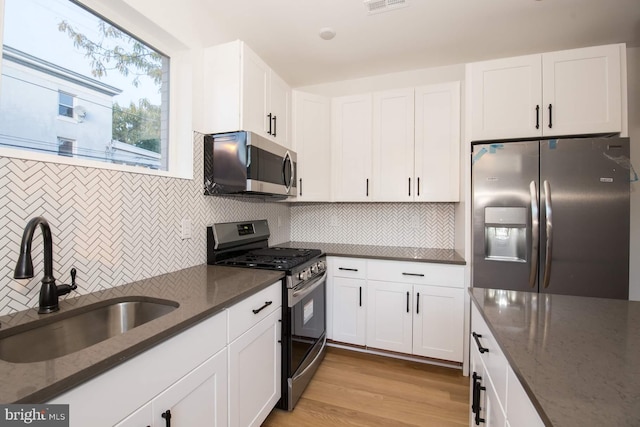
(245,163)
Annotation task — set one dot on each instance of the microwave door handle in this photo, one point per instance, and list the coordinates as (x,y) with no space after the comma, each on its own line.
(535,233)
(287,159)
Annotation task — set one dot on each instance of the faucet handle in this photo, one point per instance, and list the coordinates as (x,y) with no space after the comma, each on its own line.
(73,278)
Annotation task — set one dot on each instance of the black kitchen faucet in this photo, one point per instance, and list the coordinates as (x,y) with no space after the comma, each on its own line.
(49,292)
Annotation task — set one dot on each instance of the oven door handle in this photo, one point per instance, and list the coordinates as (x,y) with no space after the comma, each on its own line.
(298,294)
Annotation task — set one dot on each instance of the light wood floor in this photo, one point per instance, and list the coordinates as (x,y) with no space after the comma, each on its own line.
(356,389)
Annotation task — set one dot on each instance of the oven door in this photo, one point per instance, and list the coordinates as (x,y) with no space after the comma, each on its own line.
(307,338)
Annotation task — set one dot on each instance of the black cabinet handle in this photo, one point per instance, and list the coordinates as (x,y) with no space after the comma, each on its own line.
(418,186)
(300,187)
(475,406)
(360,296)
(266,304)
(550,116)
(537,117)
(347,269)
(481,349)
(367,187)
(409,186)
(413,274)
(269,117)
(418,303)
(275,125)
(167,416)
(407,301)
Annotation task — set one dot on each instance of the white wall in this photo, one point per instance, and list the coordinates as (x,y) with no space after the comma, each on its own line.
(388,81)
(633,81)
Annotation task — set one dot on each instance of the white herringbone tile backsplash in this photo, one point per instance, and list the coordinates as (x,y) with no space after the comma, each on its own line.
(113,227)
(421,225)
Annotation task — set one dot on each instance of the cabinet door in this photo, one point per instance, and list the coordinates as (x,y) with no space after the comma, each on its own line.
(583,88)
(198,399)
(389,317)
(312,143)
(351,148)
(280,109)
(349,315)
(437,143)
(438,322)
(489,409)
(519,408)
(254,373)
(393,156)
(506,98)
(254,97)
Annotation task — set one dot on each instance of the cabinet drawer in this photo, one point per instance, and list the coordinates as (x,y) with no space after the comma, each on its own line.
(493,359)
(242,317)
(420,273)
(355,268)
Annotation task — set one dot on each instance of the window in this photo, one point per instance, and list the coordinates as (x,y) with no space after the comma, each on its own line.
(115,86)
(65,147)
(65,104)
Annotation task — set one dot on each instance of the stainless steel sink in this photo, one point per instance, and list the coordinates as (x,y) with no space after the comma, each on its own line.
(78,329)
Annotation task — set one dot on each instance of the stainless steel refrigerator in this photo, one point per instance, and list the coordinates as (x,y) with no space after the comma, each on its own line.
(552,216)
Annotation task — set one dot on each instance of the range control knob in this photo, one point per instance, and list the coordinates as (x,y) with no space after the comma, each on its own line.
(303,275)
(314,268)
(322,266)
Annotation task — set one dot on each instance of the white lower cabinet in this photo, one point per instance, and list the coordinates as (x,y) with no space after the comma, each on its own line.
(409,307)
(438,322)
(197,399)
(254,373)
(389,316)
(497,396)
(223,371)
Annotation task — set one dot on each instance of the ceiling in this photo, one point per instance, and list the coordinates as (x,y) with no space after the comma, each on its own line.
(425,34)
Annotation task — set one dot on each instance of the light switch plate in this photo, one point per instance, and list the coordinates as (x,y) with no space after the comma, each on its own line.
(186,228)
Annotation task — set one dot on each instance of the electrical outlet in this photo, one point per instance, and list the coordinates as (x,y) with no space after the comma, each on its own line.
(415,221)
(186,228)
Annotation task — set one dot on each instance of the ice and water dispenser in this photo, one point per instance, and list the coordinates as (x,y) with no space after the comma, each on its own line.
(505,234)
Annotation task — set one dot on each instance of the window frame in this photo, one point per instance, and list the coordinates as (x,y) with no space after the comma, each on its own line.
(70,107)
(180,133)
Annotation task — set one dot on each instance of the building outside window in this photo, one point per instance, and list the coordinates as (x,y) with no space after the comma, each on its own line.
(65,147)
(114,86)
(65,104)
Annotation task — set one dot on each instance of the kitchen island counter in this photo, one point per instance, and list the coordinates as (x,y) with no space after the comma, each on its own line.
(200,291)
(576,357)
(392,253)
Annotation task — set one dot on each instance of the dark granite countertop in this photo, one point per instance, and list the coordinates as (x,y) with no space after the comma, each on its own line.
(577,357)
(394,253)
(201,292)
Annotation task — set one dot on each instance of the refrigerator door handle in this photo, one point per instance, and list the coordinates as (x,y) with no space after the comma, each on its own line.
(549,229)
(535,233)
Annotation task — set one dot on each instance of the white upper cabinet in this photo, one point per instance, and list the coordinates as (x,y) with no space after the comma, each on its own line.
(242,92)
(398,145)
(312,143)
(582,87)
(393,141)
(437,143)
(569,92)
(351,125)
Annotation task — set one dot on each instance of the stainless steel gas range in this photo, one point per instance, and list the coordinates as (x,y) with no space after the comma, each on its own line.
(246,245)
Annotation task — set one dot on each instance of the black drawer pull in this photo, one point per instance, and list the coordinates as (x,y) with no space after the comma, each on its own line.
(266,304)
(407,301)
(413,274)
(347,269)
(418,303)
(481,349)
(360,304)
(167,416)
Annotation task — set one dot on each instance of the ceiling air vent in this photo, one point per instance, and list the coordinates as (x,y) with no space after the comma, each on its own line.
(378,6)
